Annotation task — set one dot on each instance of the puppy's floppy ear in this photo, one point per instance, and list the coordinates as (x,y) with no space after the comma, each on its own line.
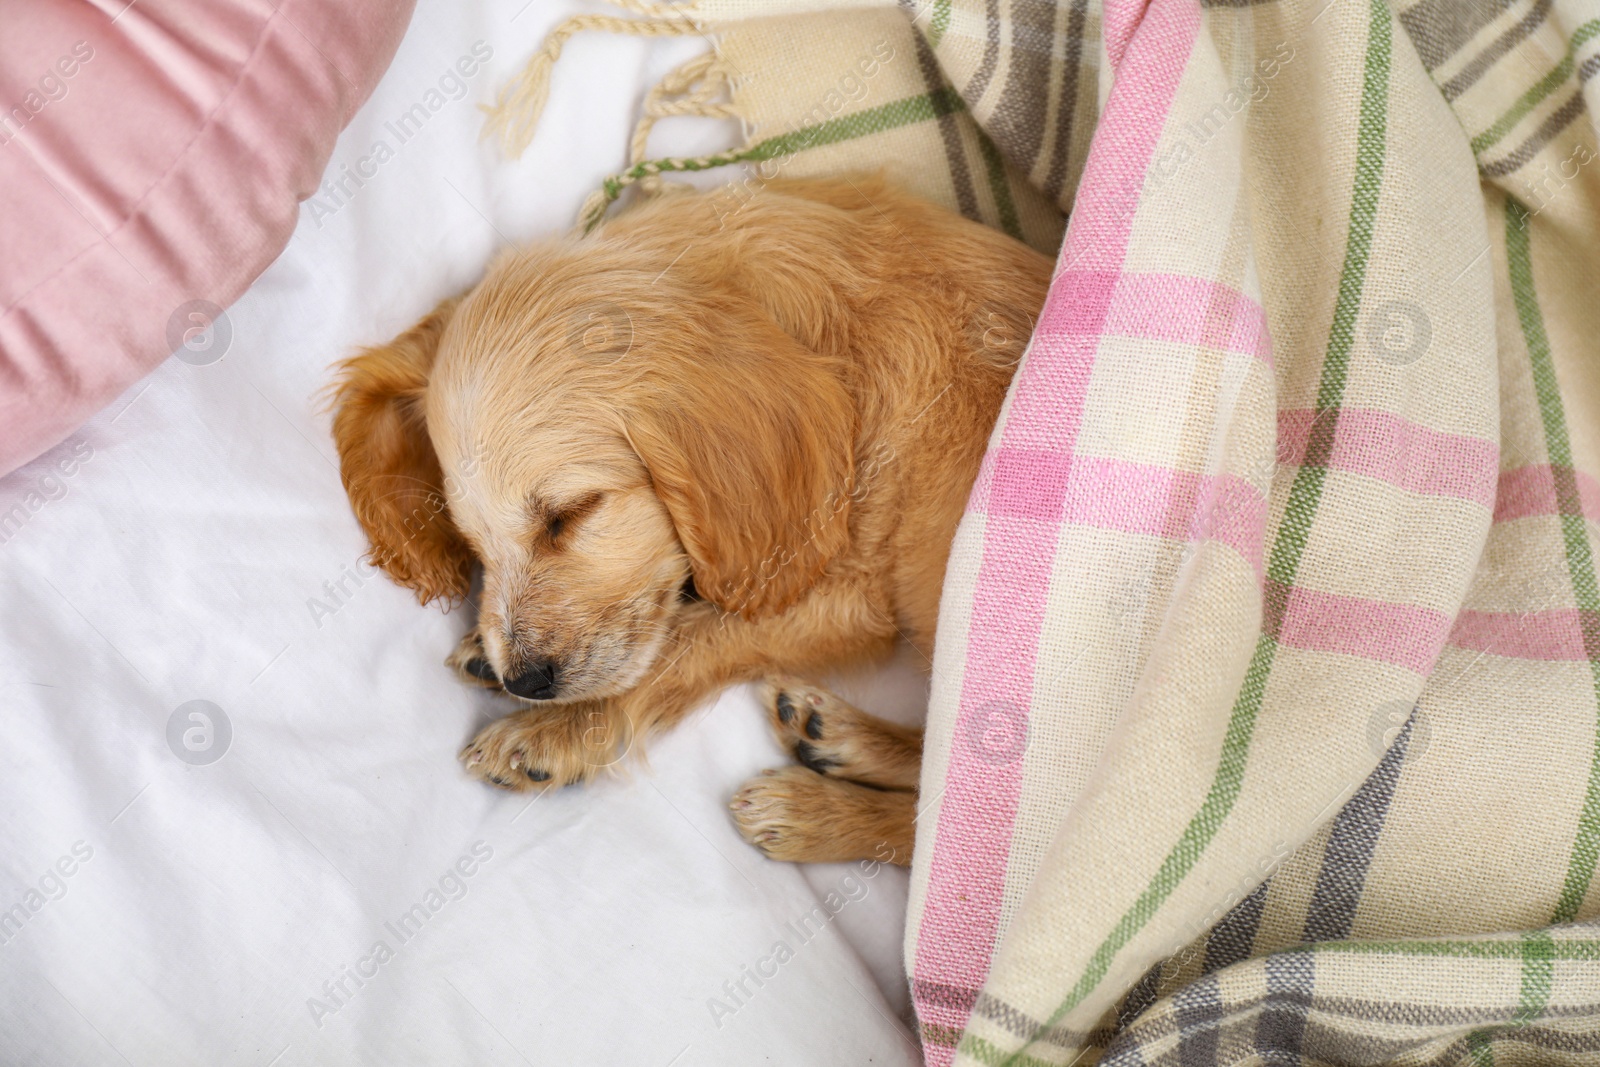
(388,465)
(749,439)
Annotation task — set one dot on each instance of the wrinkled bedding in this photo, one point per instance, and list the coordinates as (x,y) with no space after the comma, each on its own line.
(234,830)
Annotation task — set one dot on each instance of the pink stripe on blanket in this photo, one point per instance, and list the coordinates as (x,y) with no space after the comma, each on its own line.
(1119,19)
(972,844)
(1048,396)
(1113,494)
(1382,445)
(1526,492)
(1406,635)
(1554,636)
(1114,174)
(1085,306)
(1165,307)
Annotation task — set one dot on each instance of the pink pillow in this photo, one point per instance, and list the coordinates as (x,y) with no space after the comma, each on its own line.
(152,159)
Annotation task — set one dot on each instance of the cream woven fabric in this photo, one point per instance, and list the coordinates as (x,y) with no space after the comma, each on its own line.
(1264,709)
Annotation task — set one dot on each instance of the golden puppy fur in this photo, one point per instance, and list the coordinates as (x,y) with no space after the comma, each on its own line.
(693,449)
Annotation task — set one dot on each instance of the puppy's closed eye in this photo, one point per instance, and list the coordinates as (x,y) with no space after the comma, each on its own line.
(557,520)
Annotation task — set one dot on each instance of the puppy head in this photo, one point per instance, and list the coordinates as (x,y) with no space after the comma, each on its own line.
(594,482)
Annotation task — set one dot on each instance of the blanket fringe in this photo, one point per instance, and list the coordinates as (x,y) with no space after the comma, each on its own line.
(514,116)
(702,88)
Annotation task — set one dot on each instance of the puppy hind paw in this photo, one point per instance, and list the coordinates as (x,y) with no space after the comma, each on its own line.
(771,813)
(799,715)
(797,816)
(829,736)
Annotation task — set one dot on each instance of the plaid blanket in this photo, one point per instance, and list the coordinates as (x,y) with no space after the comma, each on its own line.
(1265,714)
(1264,709)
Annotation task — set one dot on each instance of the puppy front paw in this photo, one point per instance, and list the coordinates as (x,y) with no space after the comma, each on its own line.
(470,663)
(545,747)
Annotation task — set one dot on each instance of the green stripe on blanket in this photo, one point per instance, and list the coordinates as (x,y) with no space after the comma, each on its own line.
(1574,528)
(1537,93)
(924,108)
(1511,948)
(907,112)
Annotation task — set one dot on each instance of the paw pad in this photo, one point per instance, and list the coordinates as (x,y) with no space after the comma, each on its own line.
(808,756)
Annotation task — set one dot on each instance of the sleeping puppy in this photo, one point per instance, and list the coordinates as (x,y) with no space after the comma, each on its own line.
(693,448)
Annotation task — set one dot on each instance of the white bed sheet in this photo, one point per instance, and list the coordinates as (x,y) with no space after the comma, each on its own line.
(210,909)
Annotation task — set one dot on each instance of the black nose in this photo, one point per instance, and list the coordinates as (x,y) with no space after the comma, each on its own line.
(537,682)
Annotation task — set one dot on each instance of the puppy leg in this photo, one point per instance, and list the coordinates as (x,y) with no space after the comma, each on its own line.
(798,816)
(569,742)
(836,626)
(840,741)
(470,664)
(550,746)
